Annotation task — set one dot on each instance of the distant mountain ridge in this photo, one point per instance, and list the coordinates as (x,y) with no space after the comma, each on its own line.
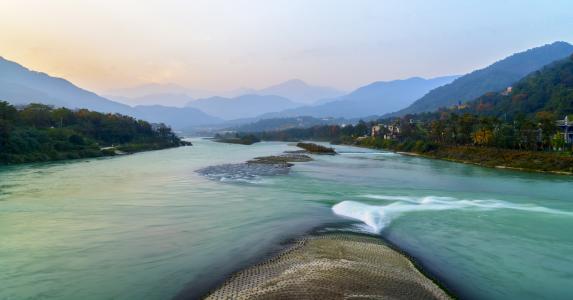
(19,85)
(493,78)
(168,99)
(147,89)
(295,90)
(180,118)
(374,99)
(245,106)
(299,91)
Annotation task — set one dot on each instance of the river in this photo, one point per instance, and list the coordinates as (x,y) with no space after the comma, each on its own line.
(148,226)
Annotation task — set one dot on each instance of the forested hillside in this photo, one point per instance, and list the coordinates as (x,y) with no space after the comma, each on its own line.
(494,78)
(549,90)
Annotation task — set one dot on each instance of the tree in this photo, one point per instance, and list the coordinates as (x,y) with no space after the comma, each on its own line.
(7,111)
(4,134)
(546,122)
(558,142)
(63,117)
(360,129)
(37,115)
(482,137)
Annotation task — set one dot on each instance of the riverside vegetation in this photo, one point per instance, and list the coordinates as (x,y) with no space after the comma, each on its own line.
(515,128)
(38,132)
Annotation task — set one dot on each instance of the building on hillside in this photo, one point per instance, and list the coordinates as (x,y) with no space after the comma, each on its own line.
(566,129)
(415,122)
(158,127)
(388,132)
(376,130)
(507,91)
(392,132)
(460,106)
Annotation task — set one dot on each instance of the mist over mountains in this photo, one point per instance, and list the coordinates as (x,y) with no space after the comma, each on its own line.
(246,106)
(156,89)
(166,99)
(295,90)
(301,92)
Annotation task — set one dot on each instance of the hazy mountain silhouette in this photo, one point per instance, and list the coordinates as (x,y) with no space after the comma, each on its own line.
(493,78)
(19,85)
(374,99)
(173,94)
(177,100)
(177,117)
(156,89)
(245,106)
(299,91)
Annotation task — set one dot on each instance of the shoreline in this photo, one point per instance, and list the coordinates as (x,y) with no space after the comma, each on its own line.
(408,274)
(468,162)
(102,154)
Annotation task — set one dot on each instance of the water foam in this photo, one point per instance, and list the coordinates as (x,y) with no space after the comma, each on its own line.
(242,172)
(377,217)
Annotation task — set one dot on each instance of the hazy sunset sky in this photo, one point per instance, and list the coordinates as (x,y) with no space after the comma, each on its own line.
(221,45)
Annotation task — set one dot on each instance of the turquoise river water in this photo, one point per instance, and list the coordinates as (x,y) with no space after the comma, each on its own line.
(147,226)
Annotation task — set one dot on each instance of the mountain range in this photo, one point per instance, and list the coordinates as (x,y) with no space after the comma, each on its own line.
(155,89)
(374,99)
(299,91)
(295,90)
(180,118)
(165,99)
(245,106)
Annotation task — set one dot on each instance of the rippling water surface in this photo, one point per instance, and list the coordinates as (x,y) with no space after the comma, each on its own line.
(148,226)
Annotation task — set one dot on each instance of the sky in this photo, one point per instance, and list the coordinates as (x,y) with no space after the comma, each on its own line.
(222,45)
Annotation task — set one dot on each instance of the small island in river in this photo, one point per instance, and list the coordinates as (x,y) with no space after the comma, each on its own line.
(315,148)
(236,139)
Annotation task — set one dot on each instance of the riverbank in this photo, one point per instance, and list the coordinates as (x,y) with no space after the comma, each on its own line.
(530,161)
(90,152)
(506,159)
(332,266)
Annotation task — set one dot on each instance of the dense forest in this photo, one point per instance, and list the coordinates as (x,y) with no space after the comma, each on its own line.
(38,132)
